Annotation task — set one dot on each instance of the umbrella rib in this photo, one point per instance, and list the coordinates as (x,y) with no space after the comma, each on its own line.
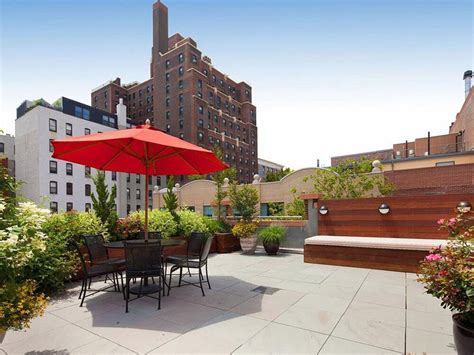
(126,151)
(187,162)
(117,154)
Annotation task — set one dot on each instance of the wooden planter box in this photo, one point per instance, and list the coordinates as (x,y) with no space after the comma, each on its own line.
(226,242)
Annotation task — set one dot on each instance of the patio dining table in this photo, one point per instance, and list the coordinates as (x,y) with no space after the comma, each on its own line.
(119,245)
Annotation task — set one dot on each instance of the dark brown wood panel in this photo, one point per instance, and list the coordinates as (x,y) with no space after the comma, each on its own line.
(383,259)
(409,217)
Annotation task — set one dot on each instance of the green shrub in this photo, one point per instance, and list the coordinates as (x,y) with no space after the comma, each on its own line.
(158,221)
(69,225)
(212,225)
(244,200)
(224,226)
(189,222)
(272,234)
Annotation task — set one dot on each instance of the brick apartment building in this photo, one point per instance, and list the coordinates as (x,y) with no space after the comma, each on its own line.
(189,98)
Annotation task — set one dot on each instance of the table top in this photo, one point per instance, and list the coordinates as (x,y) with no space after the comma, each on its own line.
(164,243)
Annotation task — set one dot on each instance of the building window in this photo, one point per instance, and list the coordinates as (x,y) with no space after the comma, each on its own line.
(87,207)
(180,70)
(199,94)
(128,193)
(69,188)
(114,176)
(51,147)
(200,109)
(181,57)
(78,111)
(205,72)
(167,102)
(181,98)
(87,189)
(87,171)
(53,167)
(181,135)
(87,131)
(181,111)
(2,147)
(181,124)
(200,136)
(181,84)
(168,115)
(86,114)
(445,163)
(168,128)
(68,169)
(53,125)
(167,89)
(138,194)
(128,209)
(68,129)
(194,58)
(167,64)
(167,76)
(200,84)
(69,206)
(53,187)
(53,206)
(138,207)
(137,178)
(201,123)
(150,180)
(128,177)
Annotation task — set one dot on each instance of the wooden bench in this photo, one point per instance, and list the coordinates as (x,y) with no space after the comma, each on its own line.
(395,254)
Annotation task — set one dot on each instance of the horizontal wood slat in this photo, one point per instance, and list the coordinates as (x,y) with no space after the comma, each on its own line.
(409,217)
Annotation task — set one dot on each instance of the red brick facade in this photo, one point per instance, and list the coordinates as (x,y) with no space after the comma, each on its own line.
(189,98)
(431,181)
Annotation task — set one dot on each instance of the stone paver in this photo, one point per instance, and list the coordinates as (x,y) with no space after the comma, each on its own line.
(307,308)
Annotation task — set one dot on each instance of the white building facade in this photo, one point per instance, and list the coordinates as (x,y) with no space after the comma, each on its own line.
(60,185)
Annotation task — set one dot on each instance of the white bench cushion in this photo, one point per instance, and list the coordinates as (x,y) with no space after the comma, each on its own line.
(375,242)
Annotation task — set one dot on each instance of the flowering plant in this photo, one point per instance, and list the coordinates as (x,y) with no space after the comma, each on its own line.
(448,273)
(244,229)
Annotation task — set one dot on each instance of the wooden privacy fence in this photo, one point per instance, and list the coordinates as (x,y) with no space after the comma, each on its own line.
(409,216)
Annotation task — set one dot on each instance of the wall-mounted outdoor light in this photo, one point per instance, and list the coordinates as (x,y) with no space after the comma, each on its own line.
(464,206)
(384,208)
(323,210)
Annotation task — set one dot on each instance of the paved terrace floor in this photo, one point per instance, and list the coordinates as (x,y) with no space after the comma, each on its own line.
(314,309)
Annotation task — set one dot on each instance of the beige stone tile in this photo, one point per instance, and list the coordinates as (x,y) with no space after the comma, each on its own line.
(311,319)
(422,342)
(281,339)
(101,346)
(340,346)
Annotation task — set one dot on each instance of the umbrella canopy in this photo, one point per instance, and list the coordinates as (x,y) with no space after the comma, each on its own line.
(139,150)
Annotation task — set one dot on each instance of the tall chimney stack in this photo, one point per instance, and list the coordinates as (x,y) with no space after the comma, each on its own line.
(160,28)
(467,82)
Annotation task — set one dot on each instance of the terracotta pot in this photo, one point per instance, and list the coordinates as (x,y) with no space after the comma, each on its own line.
(2,335)
(249,244)
(226,242)
(463,336)
(271,247)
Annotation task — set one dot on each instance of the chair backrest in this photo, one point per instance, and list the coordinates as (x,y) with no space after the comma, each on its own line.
(151,235)
(81,255)
(199,245)
(142,257)
(95,246)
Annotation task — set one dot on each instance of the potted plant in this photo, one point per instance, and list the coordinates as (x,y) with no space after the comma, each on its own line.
(245,200)
(271,238)
(447,274)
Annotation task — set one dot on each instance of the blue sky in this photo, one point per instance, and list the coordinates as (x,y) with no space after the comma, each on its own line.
(329,77)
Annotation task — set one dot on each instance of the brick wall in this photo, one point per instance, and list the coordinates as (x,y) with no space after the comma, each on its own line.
(435,180)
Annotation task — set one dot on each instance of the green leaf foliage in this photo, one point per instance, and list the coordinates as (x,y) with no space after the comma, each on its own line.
(103,203)
(244,199)
(272,234)
(277,175)
(170,198)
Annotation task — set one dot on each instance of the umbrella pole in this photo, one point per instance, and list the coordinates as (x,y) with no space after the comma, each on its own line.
(146,206)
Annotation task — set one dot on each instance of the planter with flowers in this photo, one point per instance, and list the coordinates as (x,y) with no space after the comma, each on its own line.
(448,274)
(244,200)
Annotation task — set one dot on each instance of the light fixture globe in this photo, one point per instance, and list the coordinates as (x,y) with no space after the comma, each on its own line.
(464,207)
(384,208)
(323,210)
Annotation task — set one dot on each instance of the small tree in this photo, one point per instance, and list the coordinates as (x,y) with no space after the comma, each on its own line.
(104,203)
(277,175)
(219,177)
(296,206)
(170,198)
(244,200)
(350,179)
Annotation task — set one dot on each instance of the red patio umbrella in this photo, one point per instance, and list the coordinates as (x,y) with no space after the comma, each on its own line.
(139,150)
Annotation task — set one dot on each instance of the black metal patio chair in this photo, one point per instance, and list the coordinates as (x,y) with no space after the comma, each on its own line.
(90,271)
(143,260)
(98,254)
(196,257)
